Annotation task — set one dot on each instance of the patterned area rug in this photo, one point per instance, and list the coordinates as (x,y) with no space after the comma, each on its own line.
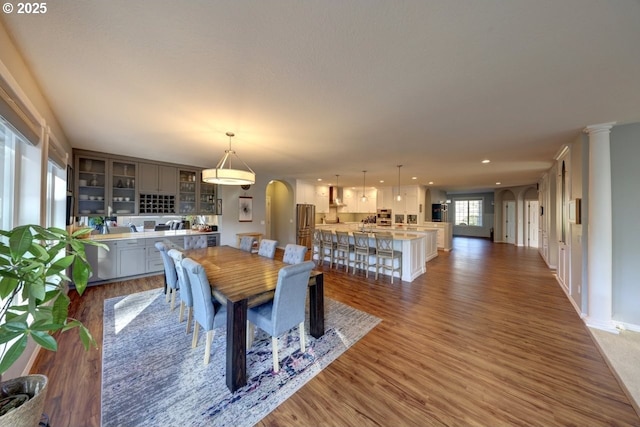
(152,376)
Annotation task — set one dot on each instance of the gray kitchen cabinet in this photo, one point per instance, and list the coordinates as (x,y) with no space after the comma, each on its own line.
(158,179)
(154,262)
(131,257)
(103,262)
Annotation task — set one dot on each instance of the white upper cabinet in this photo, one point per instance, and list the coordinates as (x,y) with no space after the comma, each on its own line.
(305,193)
(368,206)
(322,198)
(410,202)
(350,199)
(384,198)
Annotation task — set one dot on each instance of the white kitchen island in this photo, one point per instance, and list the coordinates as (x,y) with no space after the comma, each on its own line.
(412,245)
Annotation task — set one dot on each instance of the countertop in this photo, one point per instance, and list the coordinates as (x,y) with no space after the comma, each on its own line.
(148,235)
(397,234)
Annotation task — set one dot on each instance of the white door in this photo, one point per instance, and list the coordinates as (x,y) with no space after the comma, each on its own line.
(532,223)
(509,226)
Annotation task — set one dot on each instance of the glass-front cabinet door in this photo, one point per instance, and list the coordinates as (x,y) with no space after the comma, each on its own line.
(91,182)
(123,187)
(208,198)
(187,197)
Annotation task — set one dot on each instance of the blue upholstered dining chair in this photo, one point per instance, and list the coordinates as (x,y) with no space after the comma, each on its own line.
(267,248)
(286,310)
(247,243)
(170,275)
(294,254)
(186,299)
(206,312)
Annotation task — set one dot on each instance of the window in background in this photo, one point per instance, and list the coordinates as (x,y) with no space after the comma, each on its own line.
(469,212)
(7,171)
(56,195)
(20,186)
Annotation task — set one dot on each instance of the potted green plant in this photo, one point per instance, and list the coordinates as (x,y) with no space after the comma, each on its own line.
(34,261)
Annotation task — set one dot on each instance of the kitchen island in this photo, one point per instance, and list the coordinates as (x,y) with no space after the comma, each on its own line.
(412,245)
(134,254)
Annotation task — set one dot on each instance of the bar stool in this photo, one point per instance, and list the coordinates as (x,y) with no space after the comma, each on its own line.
(384,252)
(316,247)
(362,252)
(343,250)
(328,245)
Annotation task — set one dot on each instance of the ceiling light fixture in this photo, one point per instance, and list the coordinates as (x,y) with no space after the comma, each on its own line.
(226,175)
(399,197)
(485,161)
(364,195)
(337,199)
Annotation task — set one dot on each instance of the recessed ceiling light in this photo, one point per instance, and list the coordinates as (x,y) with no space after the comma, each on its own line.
(430,182)
(486,161)
(381,181)
(498,183)
(414,177)
(319,179)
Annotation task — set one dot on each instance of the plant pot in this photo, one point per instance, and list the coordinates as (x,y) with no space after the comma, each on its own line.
(29,413)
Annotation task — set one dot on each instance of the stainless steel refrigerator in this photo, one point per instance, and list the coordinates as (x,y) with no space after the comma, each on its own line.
(305,223)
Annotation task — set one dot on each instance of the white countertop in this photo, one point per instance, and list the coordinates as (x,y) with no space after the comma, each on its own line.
(148,235)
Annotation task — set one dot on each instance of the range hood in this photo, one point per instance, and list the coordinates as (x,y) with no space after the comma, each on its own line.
(335,193)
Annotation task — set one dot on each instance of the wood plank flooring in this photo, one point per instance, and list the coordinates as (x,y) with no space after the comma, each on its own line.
(485,338)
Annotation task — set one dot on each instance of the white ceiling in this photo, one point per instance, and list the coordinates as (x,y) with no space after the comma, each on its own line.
(318,88)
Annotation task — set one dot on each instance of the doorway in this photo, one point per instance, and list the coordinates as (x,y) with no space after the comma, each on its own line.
(509,226)
(533,221)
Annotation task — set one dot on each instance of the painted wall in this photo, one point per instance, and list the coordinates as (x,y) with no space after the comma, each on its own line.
(625,176)
(12,59)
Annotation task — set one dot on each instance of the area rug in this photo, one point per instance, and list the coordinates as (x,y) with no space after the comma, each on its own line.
(152,376)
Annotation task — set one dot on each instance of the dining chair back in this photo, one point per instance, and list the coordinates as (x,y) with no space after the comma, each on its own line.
(247,243)
(206,313)
(170,275)
(267,248)
(287,309)
(186,297)
(294,254)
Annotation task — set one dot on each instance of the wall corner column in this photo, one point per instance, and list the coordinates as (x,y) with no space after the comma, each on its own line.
(599,230)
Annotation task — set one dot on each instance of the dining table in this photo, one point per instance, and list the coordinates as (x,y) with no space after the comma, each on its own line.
(240,280)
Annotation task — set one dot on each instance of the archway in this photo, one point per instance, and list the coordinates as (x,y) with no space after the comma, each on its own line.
(279,211)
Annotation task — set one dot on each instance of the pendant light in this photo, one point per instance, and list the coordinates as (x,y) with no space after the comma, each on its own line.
(364,195)
(399,197)
(337,200)
(226,175)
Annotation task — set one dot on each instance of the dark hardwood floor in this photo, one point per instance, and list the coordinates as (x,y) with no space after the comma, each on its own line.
(485,338)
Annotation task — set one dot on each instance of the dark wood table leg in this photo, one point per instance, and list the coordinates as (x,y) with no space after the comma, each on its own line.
(316,306)
(236,344)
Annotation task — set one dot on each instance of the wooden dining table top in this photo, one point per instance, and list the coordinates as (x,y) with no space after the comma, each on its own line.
(237,274)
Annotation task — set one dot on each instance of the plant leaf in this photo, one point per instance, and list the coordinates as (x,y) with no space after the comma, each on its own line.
(81,273)
(86,338)
(60,264)
(45,340)
(20,241)
(60,309)
(14,326)
(12,354)
(6,336)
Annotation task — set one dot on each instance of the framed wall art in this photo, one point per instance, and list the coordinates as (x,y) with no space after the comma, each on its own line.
(245,209)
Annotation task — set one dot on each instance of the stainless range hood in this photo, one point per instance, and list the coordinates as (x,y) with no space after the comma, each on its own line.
(335,197)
